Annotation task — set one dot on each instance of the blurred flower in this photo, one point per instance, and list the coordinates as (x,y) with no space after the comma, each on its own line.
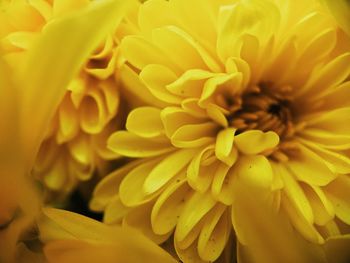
(239,93)
(75,143)
(25,117)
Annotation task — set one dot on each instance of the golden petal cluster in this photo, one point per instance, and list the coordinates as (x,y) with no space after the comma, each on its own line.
(74,147)
(250,94)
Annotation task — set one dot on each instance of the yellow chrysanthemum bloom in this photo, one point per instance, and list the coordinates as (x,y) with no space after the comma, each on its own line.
(75,143)
(250,92)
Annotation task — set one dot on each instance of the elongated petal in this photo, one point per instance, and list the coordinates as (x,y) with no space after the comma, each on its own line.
(128,144)
(145,122)
(97,241)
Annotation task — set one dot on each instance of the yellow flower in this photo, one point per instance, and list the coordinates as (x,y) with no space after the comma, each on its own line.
(75,143)
(251,92)
(25,117)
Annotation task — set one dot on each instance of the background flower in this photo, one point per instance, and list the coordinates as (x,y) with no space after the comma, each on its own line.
(75,143)
(238,93)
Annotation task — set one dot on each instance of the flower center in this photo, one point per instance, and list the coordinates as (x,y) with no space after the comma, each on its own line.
(266,108)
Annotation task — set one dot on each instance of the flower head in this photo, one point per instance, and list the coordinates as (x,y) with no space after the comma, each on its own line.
(75,143)
(239,93)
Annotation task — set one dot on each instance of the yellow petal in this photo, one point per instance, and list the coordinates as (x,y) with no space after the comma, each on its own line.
(155,13)
(188,254)
(199,174)
(214,234)
(255,220)
(96,241)
(190,216)
(319,47)
(191,106)
(310,168)
(114,211)
(128,144)
(322,208)
(338,193)
(168,207)
(328,77)
(145,122)
(156,78)
(135,90)
(61,7)
(213,85)
(190,83)
(22,40)
(80,149)
(255,141)
(173,118)
(165,170)
(257,18)
(93,113)
(194,135)
(130,190)
(223,184)
(336,161)
(331,121)
(107,188)
(224,144)
(70,225)
(296,195)
(140,219)
(68,121)
(140,53)
(178,47)
(217,114)
(305,228)
(327,140)
(255,170)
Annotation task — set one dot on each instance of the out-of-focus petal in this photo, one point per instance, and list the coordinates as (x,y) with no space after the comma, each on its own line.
(96,242)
